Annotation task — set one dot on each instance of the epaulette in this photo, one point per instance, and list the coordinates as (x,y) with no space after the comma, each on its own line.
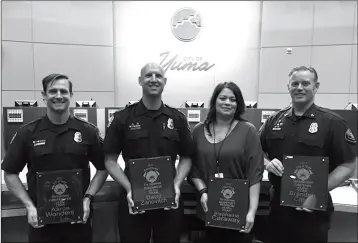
(286,108)
(31,122)
(169,106)
(130,104)
(174,109)
(326,110)
(86,122)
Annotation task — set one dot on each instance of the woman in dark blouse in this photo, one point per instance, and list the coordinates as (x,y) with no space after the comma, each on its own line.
(227,146)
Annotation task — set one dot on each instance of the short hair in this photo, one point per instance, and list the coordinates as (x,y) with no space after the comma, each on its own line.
(240,108)
(151,64)
(304,68)
(49,79)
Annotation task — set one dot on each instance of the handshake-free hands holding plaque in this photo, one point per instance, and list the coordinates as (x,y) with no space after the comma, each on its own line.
(228,201)
(152,183)
(59,197)
(304,183)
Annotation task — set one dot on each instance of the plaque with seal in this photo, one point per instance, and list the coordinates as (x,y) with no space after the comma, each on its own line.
(152,182)
(228,203)
(59,196)
(304,182)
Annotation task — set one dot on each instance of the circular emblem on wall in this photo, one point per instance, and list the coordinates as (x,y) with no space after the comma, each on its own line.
(186,24)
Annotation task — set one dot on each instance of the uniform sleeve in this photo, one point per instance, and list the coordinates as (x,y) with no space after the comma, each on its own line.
(96,152)
(343,145)
(263,132)
(16,156)
(195,171)
(114,139)
(186,138)
(254,156)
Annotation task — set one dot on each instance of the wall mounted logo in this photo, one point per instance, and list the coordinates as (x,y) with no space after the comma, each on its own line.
(186,24)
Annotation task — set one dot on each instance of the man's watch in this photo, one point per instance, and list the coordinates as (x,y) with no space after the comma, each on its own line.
(202,191)
(89,196)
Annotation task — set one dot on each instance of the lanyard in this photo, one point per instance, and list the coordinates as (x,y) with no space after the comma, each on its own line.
(217,156)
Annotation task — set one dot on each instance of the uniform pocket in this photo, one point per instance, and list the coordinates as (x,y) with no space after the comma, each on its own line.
(171,135)
(137,134)
(311,141)
(77,148)
(277,136)
(40,151)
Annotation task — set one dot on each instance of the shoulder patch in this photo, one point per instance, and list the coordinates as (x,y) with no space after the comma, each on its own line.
(350,137)
(110,121)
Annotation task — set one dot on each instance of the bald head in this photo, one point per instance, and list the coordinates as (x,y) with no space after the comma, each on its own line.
(149,66)
(152,79)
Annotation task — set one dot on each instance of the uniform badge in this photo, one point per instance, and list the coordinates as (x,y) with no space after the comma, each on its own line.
(350,137)
(170,123)
(313,127)
(77,137)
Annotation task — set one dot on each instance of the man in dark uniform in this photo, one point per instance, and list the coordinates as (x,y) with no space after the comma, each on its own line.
(307,130)
(57,141)
(147,129)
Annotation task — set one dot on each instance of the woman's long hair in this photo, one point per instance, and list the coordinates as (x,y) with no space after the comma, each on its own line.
(240,108)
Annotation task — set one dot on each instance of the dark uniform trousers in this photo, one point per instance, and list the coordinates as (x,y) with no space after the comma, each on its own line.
(166,224)
(65,232)
(286,224)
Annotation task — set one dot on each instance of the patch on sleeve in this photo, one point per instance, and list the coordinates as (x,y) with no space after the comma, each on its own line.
(349,136)
(110,121)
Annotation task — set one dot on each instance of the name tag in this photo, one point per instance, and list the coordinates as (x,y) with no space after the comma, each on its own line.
(219,175)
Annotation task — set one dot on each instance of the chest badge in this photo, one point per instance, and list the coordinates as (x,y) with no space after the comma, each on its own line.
(277,126)
(170,123)
(313,127)
(136,126)
(77,137)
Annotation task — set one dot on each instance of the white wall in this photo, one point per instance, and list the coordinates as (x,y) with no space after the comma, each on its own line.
(69,37)
(103,45)
(321,34)
(229,38)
